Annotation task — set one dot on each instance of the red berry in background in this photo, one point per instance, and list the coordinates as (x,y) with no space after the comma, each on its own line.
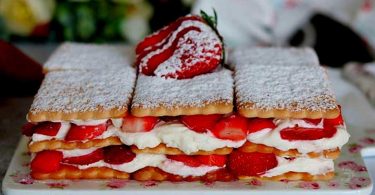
(132,124)
(233,127)
(93,157)
(200,123)
(46,161)
(118,154)
(251,164)
(257,124)
(84,132)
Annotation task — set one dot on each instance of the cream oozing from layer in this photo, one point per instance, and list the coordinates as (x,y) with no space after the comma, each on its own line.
(313,166)
(139,162)
(177,135)
(272,137)
(65,126)
(179,168)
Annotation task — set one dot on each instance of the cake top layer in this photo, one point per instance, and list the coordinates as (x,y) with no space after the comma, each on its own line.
(273,56)
(154,92)
(69,94)
(284,91)
(82,56)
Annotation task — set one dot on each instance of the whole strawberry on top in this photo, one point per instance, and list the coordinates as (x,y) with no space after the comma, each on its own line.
(187,47)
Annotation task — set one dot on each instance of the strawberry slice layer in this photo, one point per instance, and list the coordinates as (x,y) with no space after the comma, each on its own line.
(132,124)
(44,128)
(200,123)
(212,160)
(46,161)
(85,132)
(251,164)
(93,157)
(233,127)
(257,124)
(118,154)
(301,133)
(187,160)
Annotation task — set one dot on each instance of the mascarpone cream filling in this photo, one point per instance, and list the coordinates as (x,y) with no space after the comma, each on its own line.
(179,168)
(272,137)
(313,166)
(177,135)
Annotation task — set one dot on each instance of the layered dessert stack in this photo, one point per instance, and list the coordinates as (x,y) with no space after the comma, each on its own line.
(295,127)
(186,117)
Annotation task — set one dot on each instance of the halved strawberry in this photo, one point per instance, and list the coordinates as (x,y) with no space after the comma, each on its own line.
(212,160)
(187,160)
(251,164)
(132,124)
(233,127)
(313,121)
(48,128)
(46,161)
(154,61)
(84,132)
(200,123)
(162,34)
(95,156)
(301,133)
(334,122)
(118,154)
(257,124)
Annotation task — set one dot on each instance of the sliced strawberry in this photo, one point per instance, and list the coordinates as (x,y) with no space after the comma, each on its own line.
(28,129)
(118,154)
(84,132)
(46,161)
(48,128)
(334,122)
(162,34)
(233,127)
(134,124)
(95,156)
(212,160)
(251,164)
(257,124)
(313,121)
(187,160)
(200,123)
(301,133)
(154,61)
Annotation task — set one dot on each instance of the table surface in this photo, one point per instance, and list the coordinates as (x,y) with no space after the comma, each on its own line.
(13,112)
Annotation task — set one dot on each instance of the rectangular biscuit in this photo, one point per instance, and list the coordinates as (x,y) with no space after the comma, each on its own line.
(83,95)
(210,93)
(83,56)
(277,56)
(288,91)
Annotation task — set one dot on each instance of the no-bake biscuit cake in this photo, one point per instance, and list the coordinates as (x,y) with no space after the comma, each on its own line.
(181,115)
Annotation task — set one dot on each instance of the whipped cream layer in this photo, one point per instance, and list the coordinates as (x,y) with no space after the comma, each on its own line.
(177,135)
(145,160)
(313,166)
(272,137)
(179,168)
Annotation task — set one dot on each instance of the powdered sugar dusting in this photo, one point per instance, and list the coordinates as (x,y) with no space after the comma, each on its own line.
(80,91)
(152,91)
(291,87)
(80,56)
(273,56)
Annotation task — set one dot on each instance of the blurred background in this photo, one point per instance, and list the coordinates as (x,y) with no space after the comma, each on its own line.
(342,32)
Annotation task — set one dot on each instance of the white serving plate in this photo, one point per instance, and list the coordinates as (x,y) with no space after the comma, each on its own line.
(351,178)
